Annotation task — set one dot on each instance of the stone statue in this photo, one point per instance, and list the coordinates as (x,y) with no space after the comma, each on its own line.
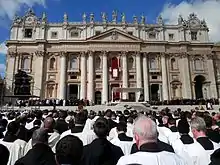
(123,18)
(143,19)
(114,16)
(44,17)
(30,12)
(104,17)
(65,18)
(16,19)
(135,19)
(160,20)
(84,16)
(180,20)
(91,17)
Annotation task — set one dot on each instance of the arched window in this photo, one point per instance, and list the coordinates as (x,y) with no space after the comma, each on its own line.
(73,63)
(98,63)
(173,64)
(198,64)
(153,63)
(52,63)
(26,63)
(130,62)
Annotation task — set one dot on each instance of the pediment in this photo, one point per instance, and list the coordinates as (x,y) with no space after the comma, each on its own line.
(114,35)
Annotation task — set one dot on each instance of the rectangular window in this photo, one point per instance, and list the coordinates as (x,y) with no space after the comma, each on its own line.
(171,36)
(98,76)
(74,34)
(54,35)
(97,32)
(154,77)
(73,77)
(194,36)
(131,76)
(131,33)
(28,33)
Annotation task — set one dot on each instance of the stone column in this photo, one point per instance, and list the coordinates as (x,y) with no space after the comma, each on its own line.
(83,75)
(104,78)
(185,76)
(90,92)
(164,77)
(38,73)
(62,84)
(124,74)
(211,73)
(146,77)
(138,75)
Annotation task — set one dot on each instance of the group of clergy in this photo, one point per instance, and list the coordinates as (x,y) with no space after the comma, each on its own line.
(109,138)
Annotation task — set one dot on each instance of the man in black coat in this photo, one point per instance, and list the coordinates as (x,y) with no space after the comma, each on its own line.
(101,151)
(121,130)
(61,125)
(41,153)
(108,116)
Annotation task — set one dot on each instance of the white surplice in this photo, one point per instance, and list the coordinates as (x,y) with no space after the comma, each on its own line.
(152,158)
(15,149)
(192,153)
(124,145)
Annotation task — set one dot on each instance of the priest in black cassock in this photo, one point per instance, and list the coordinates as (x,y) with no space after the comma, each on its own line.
(101,151)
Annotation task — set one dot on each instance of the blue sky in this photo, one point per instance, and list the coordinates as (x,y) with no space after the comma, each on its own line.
(169,9)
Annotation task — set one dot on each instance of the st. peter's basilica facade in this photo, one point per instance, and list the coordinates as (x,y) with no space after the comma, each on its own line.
(113,59)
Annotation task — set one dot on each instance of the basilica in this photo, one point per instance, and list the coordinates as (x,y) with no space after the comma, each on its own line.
(112,59)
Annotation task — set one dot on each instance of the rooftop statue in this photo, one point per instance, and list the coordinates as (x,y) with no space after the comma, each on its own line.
(84,16)
(160,20)
(135,19)
(143,19)
(104,17)
(91,17)
(123,19)
(114,16)
(180,20)
(65,18)
(44,17)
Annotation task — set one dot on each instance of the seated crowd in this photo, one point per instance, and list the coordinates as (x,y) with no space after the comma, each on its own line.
(109,138)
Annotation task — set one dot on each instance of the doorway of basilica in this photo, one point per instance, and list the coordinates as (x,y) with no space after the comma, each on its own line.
(73,91)
(98,98)
(154,92)
(199,81)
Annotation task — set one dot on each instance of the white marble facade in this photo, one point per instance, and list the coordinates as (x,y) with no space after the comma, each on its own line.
(107,60)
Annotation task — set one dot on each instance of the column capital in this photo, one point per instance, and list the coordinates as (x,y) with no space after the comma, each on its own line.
(39,53)
(82,53)
(183,55)
(12,54)
(63,54)
(124,53)
(163,54)
(104,53)
(90,53)
(210,56)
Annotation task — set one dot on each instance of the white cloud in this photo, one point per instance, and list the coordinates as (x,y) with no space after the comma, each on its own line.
(205,9)
(3,48)
(8,8)
(2,70)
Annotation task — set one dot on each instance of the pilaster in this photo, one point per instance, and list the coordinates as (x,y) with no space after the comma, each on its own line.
(211,73)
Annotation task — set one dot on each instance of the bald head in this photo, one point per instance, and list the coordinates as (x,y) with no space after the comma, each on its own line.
(49,123)
(145,130)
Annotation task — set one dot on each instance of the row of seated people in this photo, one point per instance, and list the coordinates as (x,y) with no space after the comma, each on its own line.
(123,138)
